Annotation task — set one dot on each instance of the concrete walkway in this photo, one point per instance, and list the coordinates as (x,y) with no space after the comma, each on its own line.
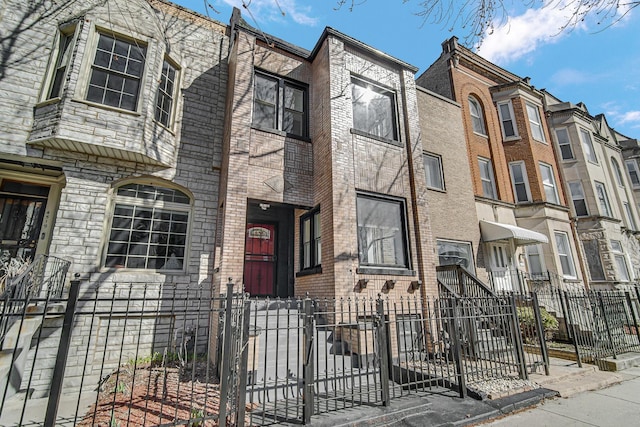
(617,405)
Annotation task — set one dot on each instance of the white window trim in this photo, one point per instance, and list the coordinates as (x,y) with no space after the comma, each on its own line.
(174,97)
(84,77)
(587,142)
(553,183)
(491,177)
(573,273)
(537,122)
(607,206)
(618,253)
(516,134)
(574,197)
(630,219)
(540,255)
(472,99)
(441,170)
(69,29)
(568,144)
(114,199)
(524,177)
(632,164)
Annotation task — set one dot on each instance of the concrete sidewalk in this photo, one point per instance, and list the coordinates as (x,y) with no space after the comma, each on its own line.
(444,408)
(617,405)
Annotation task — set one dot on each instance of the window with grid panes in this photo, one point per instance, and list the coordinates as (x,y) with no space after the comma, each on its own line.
(166,93)
(116,72)
(149,228)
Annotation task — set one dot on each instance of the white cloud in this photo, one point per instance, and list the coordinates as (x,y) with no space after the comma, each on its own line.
(524,33)
(569,76)
(630,117)
(269,10)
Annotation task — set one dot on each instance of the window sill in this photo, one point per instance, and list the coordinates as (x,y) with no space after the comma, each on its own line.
(389,271)
(167,128)
(512,138)
(108,107)
(46,102)
(281,133)
(482,135)
(124,270)
(439,190)
(376,137)
(309,271)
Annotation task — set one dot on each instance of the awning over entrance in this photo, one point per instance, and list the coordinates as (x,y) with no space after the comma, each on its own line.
(492,231)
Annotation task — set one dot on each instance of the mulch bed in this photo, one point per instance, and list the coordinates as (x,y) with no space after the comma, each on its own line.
(156,395)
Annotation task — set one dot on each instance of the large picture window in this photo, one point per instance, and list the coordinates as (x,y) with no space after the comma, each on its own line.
(149,228)
(279,104)
(116,72)
(311,236)
(382,237)
(374,110)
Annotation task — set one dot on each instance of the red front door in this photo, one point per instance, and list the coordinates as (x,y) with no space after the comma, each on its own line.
(260,259)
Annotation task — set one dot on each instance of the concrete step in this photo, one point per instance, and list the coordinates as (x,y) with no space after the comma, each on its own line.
(570,379)
(620,362)
(20,332)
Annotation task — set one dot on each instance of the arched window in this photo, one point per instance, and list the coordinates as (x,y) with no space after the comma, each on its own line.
(617,171)
(477,118)
(149,228)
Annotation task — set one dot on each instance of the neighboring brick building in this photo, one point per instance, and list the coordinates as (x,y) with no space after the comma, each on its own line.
(520,204)
(593,166)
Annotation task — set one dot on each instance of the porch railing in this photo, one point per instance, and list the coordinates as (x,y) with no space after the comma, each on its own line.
(461,282)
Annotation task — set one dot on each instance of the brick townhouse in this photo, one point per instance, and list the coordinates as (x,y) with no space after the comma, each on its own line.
(323,170)
(520,204)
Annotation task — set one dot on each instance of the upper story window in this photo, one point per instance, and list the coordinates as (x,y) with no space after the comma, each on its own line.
(311,236)
(487,178)
(535,123)
(549,183)
(116,72)
(382,235)
(166,93)
(280,104)
(603,199)
(63,60)
(433,170)
(374,110)
(507,122)
(577,195)
(520,182)
(587,146)
(634,174)
(149,228)
(617,172)
(565,144)
(565,255)
(477,118)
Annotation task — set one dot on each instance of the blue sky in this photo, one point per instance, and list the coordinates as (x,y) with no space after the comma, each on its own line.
(600,67)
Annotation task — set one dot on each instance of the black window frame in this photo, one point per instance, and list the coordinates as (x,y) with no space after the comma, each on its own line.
(315,256)
(393,101)
(366,267)
(279,107)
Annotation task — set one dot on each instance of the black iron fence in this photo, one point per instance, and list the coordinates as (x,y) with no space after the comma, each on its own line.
(145,354)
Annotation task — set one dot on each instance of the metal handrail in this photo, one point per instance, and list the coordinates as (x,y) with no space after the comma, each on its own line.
(45,272)
(462,282)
